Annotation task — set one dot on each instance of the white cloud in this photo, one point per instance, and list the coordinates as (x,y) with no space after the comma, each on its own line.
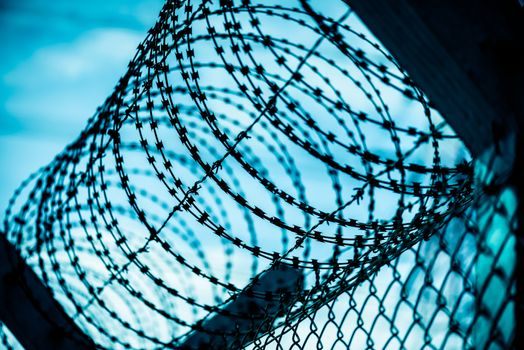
(65,83)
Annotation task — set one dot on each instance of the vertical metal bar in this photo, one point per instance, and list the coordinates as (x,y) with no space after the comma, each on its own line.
(28,309)
(467,58)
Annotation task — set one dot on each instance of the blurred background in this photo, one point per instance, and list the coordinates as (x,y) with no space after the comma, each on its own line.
(59,61)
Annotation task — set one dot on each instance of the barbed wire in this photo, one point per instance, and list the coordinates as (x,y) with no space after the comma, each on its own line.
(249,137)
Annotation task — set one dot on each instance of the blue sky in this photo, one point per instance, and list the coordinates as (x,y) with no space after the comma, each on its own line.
(60,60)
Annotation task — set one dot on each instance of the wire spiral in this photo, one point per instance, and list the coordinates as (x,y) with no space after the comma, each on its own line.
(244,137)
